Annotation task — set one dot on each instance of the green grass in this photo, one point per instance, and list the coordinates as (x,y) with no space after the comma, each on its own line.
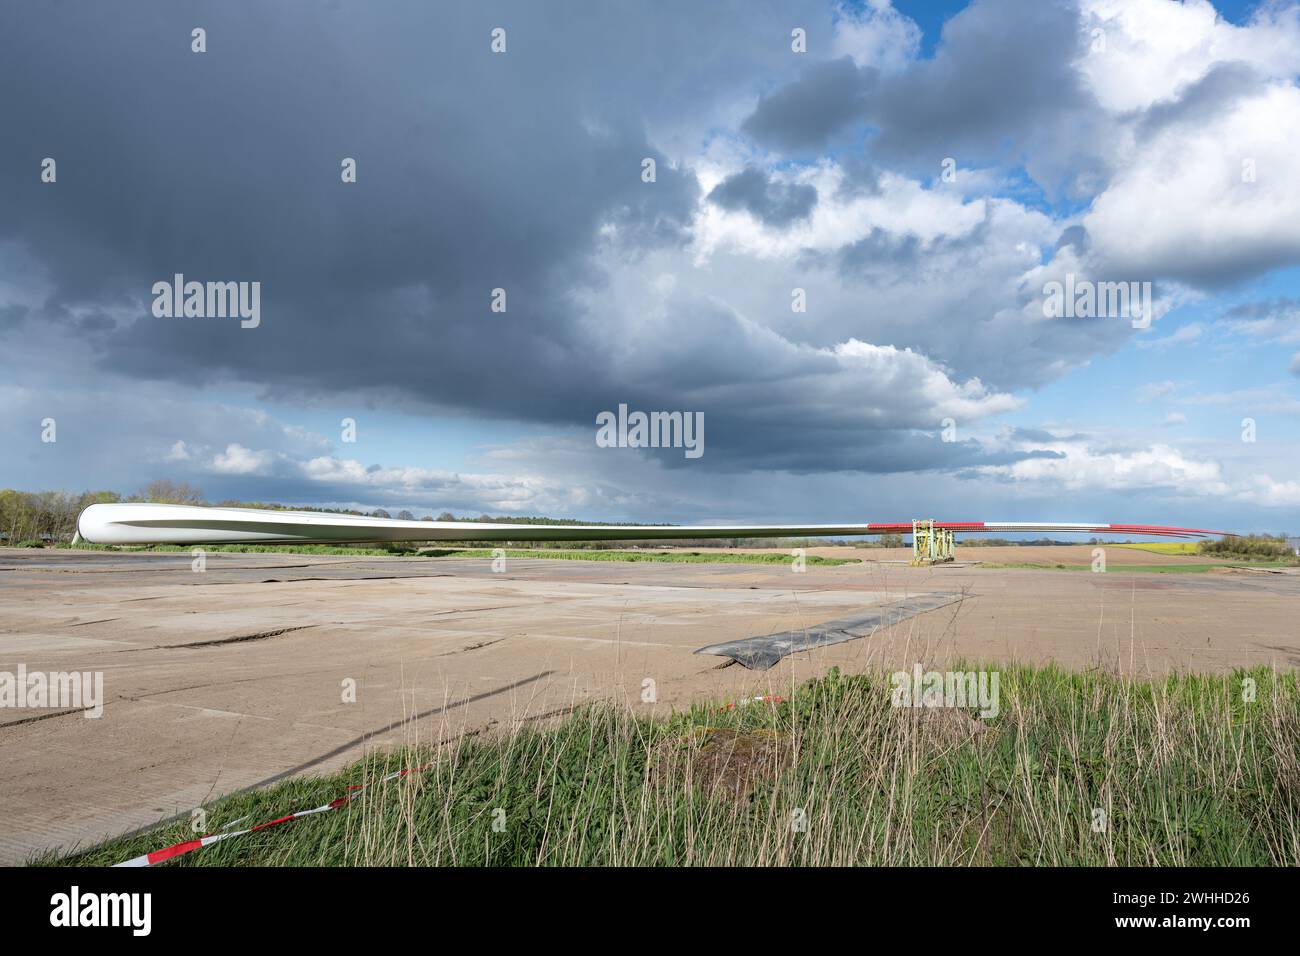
(1186,771)
(565,554)
(1251,547)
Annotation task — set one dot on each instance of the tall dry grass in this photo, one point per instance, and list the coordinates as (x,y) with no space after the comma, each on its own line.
(1076,769)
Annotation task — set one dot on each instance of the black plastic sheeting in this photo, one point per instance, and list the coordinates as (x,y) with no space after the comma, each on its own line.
(760,653)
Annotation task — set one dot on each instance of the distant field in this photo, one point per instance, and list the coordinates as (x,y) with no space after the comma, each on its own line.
(1074,769)
(1053,557)
(247,549)
(561,554)
(1163,547)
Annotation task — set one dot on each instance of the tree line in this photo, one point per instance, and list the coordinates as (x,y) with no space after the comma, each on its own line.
(49,517)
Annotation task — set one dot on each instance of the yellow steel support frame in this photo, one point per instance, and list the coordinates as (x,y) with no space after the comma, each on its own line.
(931,545)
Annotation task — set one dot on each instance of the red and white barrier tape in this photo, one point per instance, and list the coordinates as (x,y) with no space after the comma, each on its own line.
(189,846)
(180,849)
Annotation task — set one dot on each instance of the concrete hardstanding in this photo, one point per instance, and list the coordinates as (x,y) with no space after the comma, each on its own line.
(234,677)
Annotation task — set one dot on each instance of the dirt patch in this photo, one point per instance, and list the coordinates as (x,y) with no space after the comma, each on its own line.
(722,762)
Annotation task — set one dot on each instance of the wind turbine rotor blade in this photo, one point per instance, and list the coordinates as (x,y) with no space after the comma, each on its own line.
(142,524)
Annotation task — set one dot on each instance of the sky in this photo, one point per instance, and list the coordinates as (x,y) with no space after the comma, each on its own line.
(828,230)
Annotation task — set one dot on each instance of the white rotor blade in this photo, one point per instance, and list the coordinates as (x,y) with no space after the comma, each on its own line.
(139,524)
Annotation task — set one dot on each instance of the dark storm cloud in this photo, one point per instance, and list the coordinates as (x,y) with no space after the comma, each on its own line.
(91,324)
(476,171)
(777,204)
(881,254)
(861,177)
(879,250)
(809,111)
(1075,237)
(1217,91)
(11,316)
(1002,73)
(1002,68)
(770,403)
